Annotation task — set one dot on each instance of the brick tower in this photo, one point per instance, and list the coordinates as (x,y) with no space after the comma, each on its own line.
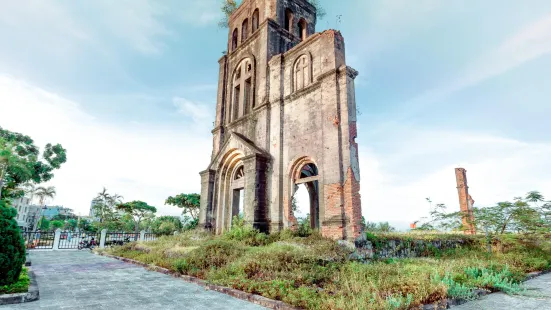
(285,115)
(466,202)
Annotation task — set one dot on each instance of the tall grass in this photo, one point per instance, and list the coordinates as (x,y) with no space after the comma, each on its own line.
(313,272)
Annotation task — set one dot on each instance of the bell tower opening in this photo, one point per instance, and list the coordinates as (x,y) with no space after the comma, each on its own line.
(306,195)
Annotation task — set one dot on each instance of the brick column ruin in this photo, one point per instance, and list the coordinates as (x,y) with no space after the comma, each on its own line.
(465,201)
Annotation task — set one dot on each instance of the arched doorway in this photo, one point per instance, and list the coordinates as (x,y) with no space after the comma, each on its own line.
(238,193)
(306,193)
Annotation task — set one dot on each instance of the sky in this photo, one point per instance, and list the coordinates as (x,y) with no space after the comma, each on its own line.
(129,87)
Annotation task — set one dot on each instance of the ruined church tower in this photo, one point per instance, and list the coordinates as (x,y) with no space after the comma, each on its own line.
(285,115)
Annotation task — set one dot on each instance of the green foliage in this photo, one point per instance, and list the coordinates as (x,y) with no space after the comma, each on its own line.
(229,6)
(21,162)
(316,273)
(189,223)
(44,224)
(57,224)
(21,286)
(190,203)
(12,247)
(383,227)
(242,232)
(84,225)
(166,225)
(71,224)
(45,192)
(304,227)
(138,210)
(523,215)
(104,205)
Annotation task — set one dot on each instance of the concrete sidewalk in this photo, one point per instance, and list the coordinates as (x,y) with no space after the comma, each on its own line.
(81,280)
(500,301)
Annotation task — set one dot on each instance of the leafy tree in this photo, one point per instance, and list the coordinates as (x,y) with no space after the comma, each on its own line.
(57,224)
(505,217)
(71,224)
(84,225)
(189,223)
(22,162)
(44,223)
(12,246)
(190,203)
(166,225)
(138,210)
(379,227)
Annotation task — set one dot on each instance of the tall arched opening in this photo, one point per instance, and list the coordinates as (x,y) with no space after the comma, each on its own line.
(305,197)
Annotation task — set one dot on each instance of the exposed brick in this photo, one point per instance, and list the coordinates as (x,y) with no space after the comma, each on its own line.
(301,110)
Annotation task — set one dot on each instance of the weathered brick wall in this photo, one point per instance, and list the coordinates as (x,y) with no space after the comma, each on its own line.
(401,248)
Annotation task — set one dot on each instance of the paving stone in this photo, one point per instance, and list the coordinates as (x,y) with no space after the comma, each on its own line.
(81,280)
(540,287)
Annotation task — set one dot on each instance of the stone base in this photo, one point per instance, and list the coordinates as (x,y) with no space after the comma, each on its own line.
(18,298)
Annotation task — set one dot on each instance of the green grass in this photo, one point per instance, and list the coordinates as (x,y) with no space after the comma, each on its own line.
(315,273)
(21,286)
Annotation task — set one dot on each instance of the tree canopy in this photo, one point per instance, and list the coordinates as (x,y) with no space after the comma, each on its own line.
(522,215)
(21,162)
(138,210)
(190,203)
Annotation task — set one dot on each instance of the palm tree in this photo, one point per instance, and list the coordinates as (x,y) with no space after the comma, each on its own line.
(534,197)
(44,193)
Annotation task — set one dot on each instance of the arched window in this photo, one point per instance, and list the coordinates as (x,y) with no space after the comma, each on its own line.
(245,30)
(289,20)
(234,40)
(302,73)
(256,17)
(242,90)
(303,29)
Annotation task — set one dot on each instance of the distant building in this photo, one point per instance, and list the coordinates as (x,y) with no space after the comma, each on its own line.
(27,214)
(51,212)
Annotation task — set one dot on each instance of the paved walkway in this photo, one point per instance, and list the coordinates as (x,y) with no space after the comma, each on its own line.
(540,286)
(81,280)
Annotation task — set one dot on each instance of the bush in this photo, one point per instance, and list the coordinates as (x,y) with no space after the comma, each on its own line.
(21,286)
(12,246)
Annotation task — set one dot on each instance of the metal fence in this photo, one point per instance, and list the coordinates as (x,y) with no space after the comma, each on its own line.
(149,237)
(71,240)
(120,238)
(38,239)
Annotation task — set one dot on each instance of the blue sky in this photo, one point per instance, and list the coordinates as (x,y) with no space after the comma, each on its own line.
(129,88)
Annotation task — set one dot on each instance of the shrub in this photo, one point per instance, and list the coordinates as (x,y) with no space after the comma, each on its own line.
(21,286)
(12,246)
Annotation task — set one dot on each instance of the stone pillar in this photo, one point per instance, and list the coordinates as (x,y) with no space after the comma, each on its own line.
(255,203)
(465,201)
(207,188)
(57,238)
(142,235)
(102,238)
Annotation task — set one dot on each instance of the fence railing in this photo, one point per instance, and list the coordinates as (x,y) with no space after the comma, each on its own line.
(38,239)
(150,237)
(71,240)
(60,240)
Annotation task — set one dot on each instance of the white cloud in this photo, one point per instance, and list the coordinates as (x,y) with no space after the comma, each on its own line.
(394,188)
(143,25)
(200,113)
(530,42)
(139,162)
